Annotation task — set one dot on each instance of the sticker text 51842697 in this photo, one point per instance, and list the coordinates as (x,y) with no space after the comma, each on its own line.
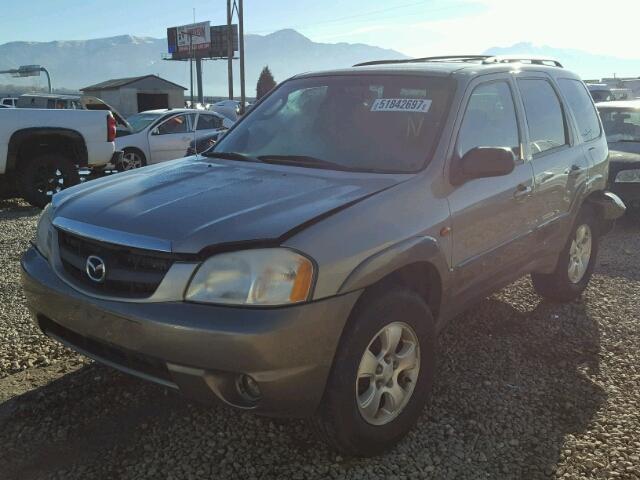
(401,105)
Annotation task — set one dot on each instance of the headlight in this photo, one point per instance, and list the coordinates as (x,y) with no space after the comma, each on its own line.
(269,276)
(628,176)
(44,233)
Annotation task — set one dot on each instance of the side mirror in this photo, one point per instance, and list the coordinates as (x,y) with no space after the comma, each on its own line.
(482,162)
(155,131)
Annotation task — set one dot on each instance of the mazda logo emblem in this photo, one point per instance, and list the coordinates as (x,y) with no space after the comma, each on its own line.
(96,269)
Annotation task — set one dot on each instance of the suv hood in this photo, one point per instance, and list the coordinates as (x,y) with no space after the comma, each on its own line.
(194,203)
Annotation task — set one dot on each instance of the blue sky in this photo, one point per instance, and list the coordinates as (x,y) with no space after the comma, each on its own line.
(411,26)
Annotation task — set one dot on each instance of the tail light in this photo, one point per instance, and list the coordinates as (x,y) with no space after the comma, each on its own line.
(111,128)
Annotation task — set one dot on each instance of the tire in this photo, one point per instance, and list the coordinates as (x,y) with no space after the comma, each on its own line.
(341,421)
(131,159)
(43,176)
(563,285)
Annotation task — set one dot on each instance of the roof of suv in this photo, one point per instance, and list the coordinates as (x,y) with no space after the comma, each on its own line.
(470,65)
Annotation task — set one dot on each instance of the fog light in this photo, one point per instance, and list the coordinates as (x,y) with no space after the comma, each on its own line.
(248,388)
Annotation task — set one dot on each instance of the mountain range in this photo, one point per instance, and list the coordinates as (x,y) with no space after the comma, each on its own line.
(79,63)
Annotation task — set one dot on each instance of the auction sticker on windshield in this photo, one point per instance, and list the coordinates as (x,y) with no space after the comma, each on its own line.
(400,105)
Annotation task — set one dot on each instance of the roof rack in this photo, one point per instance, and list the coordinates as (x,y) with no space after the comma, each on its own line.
(532,59)
(485,59)
(443,58)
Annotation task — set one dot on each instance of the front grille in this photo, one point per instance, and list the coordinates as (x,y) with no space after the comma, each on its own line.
(130,272)
(133,361)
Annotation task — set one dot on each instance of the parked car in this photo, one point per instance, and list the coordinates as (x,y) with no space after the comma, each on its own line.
(228,108)
(600,92)
(49,101)
(304,266)
(41,150)
(203,143)
(8,102)
(621,121)
(160,135)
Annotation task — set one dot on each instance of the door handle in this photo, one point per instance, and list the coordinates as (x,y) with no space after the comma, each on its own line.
(522,191)
(573,170)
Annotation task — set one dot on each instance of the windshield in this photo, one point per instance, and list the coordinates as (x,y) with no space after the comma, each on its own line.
(140,121)
(377,123)
(621,125)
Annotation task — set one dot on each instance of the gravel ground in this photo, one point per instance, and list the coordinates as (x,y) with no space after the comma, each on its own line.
(526,389)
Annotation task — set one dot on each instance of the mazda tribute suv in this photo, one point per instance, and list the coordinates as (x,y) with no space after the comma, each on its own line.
(304,265)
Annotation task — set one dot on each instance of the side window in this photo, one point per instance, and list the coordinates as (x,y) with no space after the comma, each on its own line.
(547,128)
(177,124)
(208,122)
(490,120)
(583,109)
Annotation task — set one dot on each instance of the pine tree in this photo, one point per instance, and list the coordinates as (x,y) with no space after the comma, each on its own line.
(265,83)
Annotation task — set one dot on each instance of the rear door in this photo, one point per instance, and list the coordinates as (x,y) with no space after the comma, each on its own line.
(559,163)
(171,138)
(491,217)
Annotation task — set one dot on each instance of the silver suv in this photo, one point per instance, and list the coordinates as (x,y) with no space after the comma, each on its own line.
(304,265)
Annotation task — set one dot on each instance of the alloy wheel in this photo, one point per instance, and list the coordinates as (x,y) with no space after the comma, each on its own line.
(388,373)
(580,253)
(130,160)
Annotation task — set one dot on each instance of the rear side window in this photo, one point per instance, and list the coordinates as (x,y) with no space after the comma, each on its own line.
(547,128)
(208,122)
(490,120)
(582,106)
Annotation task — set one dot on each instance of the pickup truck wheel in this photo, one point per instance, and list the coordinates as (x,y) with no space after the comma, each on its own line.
(576,262)
(131,159)
(382,375)
(43,176)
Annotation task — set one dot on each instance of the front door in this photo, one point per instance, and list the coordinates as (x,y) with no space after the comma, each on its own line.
(491,220)
(171,138)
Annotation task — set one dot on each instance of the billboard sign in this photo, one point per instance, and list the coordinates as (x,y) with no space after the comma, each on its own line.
(194,38)
(200,40)
(195,35)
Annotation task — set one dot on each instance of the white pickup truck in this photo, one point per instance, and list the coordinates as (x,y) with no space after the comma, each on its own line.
(42,150)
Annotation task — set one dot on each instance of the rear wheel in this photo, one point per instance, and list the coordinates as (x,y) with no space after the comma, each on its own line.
(131,159)
(382,375)
(44,176)
(576,263)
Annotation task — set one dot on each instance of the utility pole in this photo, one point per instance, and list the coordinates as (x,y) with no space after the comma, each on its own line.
(230,48)
(243,97)
(191,65)
(199,79)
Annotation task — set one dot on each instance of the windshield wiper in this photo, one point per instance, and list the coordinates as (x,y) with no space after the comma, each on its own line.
(303,161)
(231,156)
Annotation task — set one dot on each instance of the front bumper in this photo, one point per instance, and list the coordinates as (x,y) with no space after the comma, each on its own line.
(198,349)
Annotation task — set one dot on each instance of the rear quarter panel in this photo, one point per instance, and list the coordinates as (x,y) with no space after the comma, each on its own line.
(91,125)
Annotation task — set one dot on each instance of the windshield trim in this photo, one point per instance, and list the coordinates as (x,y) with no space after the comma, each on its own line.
(429,154)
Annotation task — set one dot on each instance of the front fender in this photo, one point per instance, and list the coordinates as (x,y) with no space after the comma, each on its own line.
(404,253)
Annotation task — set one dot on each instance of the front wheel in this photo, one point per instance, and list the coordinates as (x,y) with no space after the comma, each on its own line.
(382,374)
(575,264)
(44,176)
